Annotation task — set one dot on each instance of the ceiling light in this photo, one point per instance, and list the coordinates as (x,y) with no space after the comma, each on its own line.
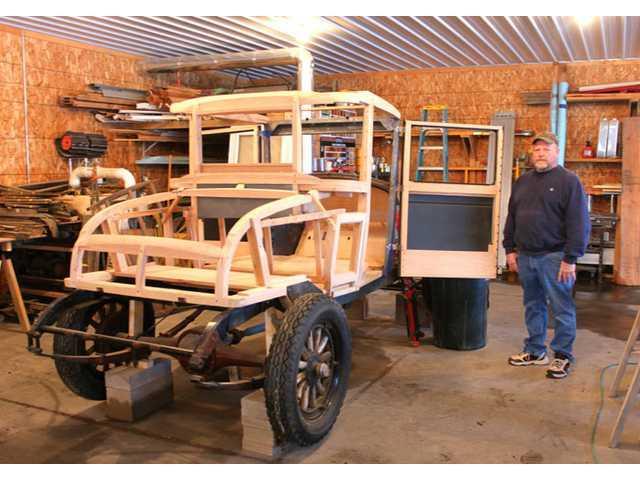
(584,21)
(302,29)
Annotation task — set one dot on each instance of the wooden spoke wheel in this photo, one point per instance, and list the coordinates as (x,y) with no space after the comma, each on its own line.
(307,370)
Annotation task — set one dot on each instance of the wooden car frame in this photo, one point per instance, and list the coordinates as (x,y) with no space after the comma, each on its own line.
(227,259)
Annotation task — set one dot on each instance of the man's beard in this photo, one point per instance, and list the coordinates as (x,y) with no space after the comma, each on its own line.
(541,169)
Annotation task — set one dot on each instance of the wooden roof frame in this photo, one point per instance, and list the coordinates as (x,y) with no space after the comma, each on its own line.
(277,102)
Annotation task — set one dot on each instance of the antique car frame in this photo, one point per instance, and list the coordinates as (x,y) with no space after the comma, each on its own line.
(108,321)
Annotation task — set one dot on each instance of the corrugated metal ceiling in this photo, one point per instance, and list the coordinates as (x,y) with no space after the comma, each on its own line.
(357,44)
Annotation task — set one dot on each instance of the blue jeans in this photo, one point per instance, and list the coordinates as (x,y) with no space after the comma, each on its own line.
(539,279)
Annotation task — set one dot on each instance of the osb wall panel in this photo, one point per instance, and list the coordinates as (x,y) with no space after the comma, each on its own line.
(473,95)
(12,141)
(54,68)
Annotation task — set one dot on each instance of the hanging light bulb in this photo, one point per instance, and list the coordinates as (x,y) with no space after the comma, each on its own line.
(584,21)
(302,29)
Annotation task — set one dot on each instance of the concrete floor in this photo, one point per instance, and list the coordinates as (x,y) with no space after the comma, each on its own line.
(422,405)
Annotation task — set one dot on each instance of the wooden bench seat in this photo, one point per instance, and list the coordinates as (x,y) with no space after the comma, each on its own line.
(201,277)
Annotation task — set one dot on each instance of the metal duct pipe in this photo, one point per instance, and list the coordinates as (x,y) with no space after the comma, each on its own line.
(563,89)
(87,172)
(305,69)
(553,109)
(259,58)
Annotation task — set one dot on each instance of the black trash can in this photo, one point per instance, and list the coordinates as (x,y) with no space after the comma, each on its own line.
(459,311)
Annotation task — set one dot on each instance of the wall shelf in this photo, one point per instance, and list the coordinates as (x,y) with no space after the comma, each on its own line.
(595,160)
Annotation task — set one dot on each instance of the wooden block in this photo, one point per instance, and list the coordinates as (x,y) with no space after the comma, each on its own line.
(358,309)
(257,435)
(135,392)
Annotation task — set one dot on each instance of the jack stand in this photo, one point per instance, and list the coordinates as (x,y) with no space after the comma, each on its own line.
(407,306)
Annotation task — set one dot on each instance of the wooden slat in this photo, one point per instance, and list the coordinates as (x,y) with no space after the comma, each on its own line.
(258,254)
(304,217)
(205,277)
(195,143)
(627,252)
(267,193)
(154,246)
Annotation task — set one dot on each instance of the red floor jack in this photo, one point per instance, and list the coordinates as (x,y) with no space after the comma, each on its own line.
(410,310)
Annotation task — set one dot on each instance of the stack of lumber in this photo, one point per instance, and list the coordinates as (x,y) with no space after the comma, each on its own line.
(257,436)
(105,98)
(627,91)
(536,98)
(622,87)
(143,116)
(163,97)
(608,188)
(97,103)
(34,211)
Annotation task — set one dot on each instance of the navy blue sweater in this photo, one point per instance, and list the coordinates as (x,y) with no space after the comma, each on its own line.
(548,213)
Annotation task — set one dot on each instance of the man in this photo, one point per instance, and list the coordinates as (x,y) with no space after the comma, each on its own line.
(547,229)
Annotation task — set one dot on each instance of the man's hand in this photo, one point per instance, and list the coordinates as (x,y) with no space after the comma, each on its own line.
(512,261)
(567,272)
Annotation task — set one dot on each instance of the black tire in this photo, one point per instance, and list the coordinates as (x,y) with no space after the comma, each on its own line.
(83,379)
(318,319)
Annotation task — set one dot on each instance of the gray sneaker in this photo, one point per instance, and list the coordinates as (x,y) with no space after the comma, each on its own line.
(559,368)
(525,358)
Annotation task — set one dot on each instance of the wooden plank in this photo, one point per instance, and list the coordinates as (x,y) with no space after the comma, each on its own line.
(626,267)
(634,336)
(333,240)
(119,260)
(222,230)
(258,255)
(256,168)
(237,193)
(290,265)
(304,217)
(236,129)
(352,217)
(140,270)
(268,245)
(602,97)
(12,282)
(451,189)
(627,404)
(319,256)
(270,318)
(136,318)
(296,135)
(281,101)
(195,143)
(361,229)
(448,264)
(245,297)
(154,246)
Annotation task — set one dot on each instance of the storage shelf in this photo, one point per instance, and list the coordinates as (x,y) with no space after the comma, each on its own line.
(595,160)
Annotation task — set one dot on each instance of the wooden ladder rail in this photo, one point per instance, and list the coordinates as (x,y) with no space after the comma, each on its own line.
(630,348)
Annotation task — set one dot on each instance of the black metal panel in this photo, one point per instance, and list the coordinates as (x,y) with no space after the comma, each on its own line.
(214,207)
(449,222)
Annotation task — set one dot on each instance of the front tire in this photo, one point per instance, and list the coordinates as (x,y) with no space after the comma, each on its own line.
(307,370)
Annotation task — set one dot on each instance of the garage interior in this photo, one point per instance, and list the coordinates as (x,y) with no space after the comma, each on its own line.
(81,92)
